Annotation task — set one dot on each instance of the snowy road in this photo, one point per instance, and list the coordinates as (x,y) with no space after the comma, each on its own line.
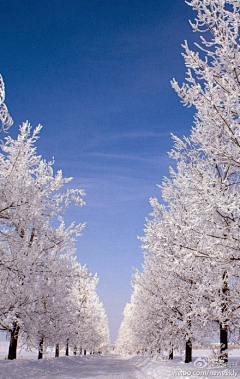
(113,367)
(90,367)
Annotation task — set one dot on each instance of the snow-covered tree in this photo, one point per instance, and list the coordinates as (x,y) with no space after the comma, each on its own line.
(31,201)
(160,315)
(47,320)
(90,330)
(5,118)
(42,286)
(213,87)
(196,235)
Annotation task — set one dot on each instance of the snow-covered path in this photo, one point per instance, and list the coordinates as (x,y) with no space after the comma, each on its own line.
(90,367)
(116,367)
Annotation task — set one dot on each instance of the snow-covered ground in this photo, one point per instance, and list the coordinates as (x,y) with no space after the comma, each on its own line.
(114,367)
(200,367)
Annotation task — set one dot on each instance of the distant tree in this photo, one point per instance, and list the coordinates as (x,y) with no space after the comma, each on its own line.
(90,329)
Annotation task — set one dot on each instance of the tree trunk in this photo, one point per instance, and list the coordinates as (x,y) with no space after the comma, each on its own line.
(224,343)
(224,326)
(188,351)
(84,352)
(75,350)
(40,350)
(67,347)
(80,352)
(57,351)
(12,352)
(170,356)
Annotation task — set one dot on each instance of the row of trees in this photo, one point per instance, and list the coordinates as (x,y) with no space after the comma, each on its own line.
(47,297)
(189,286)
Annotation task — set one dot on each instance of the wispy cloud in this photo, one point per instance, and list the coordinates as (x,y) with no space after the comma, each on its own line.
(129,157)
(110,191)
(136,135)
(104,139)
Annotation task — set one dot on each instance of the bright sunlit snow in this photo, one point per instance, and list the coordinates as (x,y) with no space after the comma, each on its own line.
(112,367)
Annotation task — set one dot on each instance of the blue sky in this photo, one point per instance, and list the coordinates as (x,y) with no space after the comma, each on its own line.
(96,74)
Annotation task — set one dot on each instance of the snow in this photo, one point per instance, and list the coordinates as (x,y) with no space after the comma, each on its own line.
(111,367)
(99,367)
(156,369)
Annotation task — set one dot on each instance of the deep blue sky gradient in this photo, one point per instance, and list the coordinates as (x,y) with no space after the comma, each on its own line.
(96,74)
